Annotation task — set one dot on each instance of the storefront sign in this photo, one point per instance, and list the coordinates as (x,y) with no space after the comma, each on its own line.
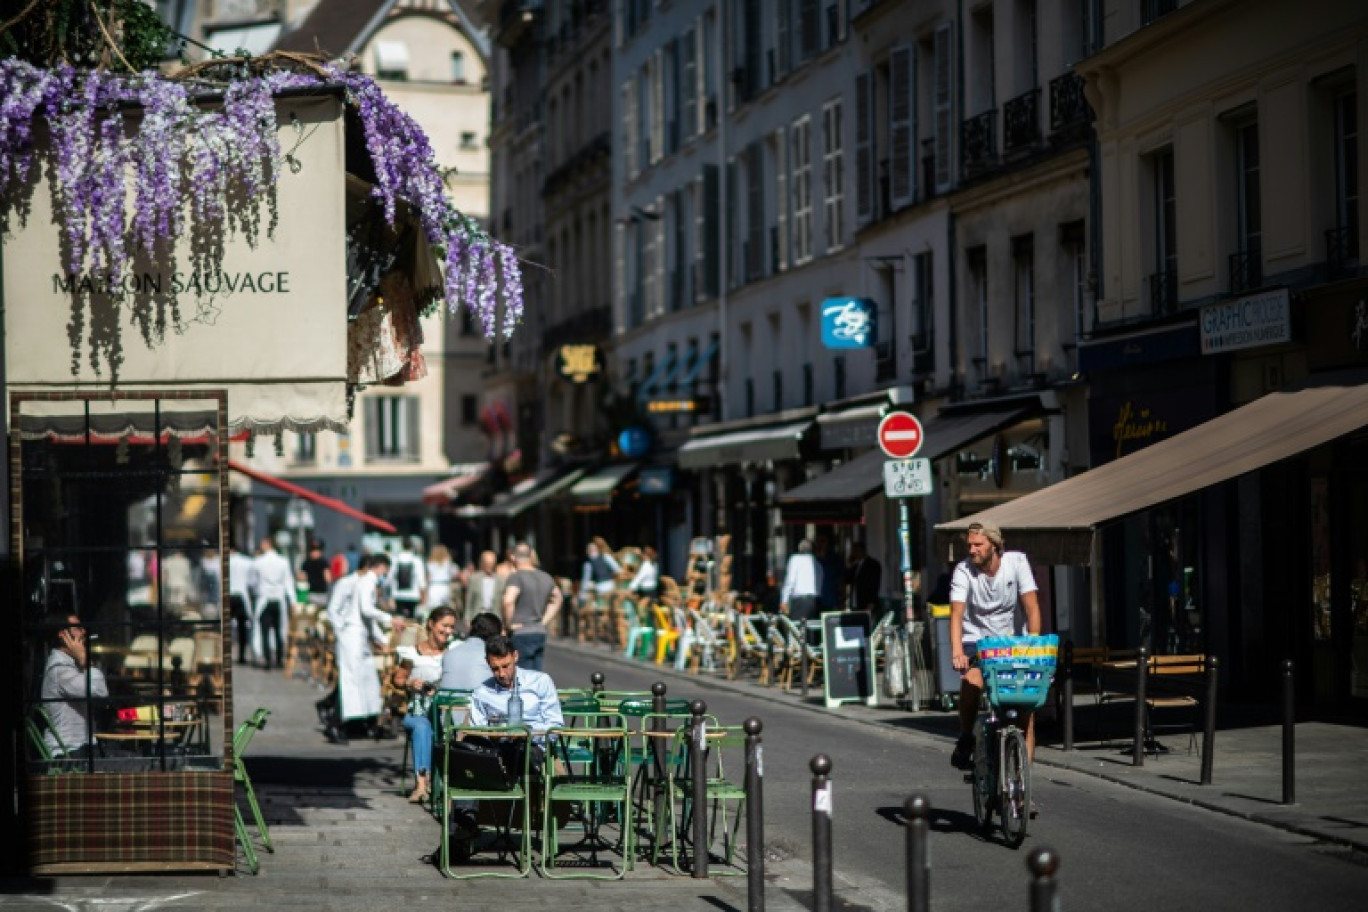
(849,323)
(674,406)
(578,363)
(1249,322)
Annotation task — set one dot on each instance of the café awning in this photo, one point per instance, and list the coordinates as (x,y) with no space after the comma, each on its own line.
(596,490)
(328,503)
(777,443)
(547,485)
(1056,525)
(450,489)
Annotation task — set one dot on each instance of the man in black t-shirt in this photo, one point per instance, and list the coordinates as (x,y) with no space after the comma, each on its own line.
(531,601)
(316,572)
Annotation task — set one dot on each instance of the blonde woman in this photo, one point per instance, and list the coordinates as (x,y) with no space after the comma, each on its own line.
(441,576)
(419,670)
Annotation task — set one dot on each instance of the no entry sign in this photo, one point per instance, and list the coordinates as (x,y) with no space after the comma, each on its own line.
(900,435)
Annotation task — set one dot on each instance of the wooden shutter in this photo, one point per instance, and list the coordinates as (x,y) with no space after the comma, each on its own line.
(781,199)
(864,147)
(629,137)
(410,442)
(902,68)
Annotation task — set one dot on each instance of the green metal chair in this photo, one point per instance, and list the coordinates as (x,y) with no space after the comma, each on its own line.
(519,793)
(726,747)
(440,715)
(649,779)
(599,785)
(241,739)
(36,726)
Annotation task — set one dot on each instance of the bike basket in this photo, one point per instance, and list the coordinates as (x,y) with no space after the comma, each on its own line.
(1017,670)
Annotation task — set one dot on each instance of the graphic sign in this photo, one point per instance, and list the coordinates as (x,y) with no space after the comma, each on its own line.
(849,323)
(1248,322)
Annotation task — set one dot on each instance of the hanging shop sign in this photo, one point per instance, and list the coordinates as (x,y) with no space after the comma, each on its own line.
(686,405)
(1248,322)
(578,363)
(849,323)
(634,442)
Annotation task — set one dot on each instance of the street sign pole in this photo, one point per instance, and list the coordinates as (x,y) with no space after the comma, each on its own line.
(900,436)
(905,539)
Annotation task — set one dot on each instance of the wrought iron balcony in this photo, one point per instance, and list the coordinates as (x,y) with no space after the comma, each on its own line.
(1153,9)
(1341,251)
(1021,122)
(1163,289)
(978,142)
(1246,271)
(1068,105)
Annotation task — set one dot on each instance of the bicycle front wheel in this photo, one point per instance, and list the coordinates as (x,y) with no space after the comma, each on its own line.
(1014,804)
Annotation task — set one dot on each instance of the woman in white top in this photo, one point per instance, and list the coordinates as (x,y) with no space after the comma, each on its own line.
(647,578)
(441,576)
(419,669)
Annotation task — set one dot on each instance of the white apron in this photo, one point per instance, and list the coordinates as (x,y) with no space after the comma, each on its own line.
(352,611)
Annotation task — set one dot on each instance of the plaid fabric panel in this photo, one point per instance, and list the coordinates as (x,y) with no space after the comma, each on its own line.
(120,818)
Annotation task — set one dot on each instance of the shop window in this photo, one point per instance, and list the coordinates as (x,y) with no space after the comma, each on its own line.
(306,449)
(120,532)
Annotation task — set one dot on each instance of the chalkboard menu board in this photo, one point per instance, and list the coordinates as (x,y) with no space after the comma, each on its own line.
(847,658)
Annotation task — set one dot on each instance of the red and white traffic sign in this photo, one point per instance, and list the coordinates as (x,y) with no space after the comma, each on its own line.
(900,435)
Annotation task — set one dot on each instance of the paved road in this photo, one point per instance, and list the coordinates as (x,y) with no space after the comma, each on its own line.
(1120,848)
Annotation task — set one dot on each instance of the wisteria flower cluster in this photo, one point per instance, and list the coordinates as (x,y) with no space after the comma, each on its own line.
(213,153)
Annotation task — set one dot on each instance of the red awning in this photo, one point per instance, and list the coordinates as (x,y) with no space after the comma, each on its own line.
(297,491)
(449,489)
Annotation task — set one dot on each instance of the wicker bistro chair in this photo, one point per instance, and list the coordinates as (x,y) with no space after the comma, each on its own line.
(517,793)
(724,754)
(795,644)
(241,739)
(749,648)
(589,765)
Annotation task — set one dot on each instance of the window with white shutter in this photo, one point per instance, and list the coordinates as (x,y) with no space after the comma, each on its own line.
(800,145)
(779,147)
(833,173)
(942,101)
(902,69)
(864,148)
(628,144)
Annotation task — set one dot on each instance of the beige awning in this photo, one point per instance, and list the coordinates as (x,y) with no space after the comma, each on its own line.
(1056,525)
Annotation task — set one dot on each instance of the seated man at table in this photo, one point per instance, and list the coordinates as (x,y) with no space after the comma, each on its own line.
(464,666)
(69,683)
(489,705)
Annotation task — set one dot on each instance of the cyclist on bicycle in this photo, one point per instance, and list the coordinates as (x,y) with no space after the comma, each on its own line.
(992,592)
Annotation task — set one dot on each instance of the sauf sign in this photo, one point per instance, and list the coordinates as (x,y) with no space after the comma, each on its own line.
(849,323)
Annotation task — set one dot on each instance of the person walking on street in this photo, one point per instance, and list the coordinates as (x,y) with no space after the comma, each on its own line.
(862,580)
(484,589)
(802,583)
(408,583)
(273,590)
(240,601)
(992,593)
(531,601)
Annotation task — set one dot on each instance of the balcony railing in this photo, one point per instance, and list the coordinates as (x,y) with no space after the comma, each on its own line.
(978,142)
(1021,122)
(1163,289)
(1153,9)
(1068,105)
(1341,251)
(1246,272)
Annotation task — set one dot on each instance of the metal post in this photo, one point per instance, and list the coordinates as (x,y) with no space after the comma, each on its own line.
(1289,747)
(659,775)
(1209,733)
(698,773)
(596,683)
(1043,863)
(1067,678)
(803,654)
(1141,707)
(905,543)
(821,833)
(918,811)
(755,816)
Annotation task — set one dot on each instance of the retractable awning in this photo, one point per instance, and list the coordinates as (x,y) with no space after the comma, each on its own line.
(548,485)
(596,490)
(311,496)
(1056,525)
(839,495)
(450,489)
(776,443)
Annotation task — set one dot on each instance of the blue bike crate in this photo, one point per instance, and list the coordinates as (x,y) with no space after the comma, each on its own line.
(1017,671)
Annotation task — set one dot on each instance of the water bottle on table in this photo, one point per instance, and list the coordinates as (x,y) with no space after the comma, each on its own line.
(515,704)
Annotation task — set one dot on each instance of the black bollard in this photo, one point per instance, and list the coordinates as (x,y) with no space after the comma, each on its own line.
(1289,765)
(698,758)
(755,816)
(918,811)
(1209,734)
(1141,708)
(1067,685)
(596,683)
(1043,863)
(821,833)
(659,752)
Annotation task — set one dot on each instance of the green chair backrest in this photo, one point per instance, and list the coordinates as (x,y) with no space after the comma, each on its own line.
(243,737)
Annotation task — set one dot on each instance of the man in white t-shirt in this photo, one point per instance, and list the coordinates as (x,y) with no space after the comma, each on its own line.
(992,592)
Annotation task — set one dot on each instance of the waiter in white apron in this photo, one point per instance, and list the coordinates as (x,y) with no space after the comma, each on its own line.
(357,623)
